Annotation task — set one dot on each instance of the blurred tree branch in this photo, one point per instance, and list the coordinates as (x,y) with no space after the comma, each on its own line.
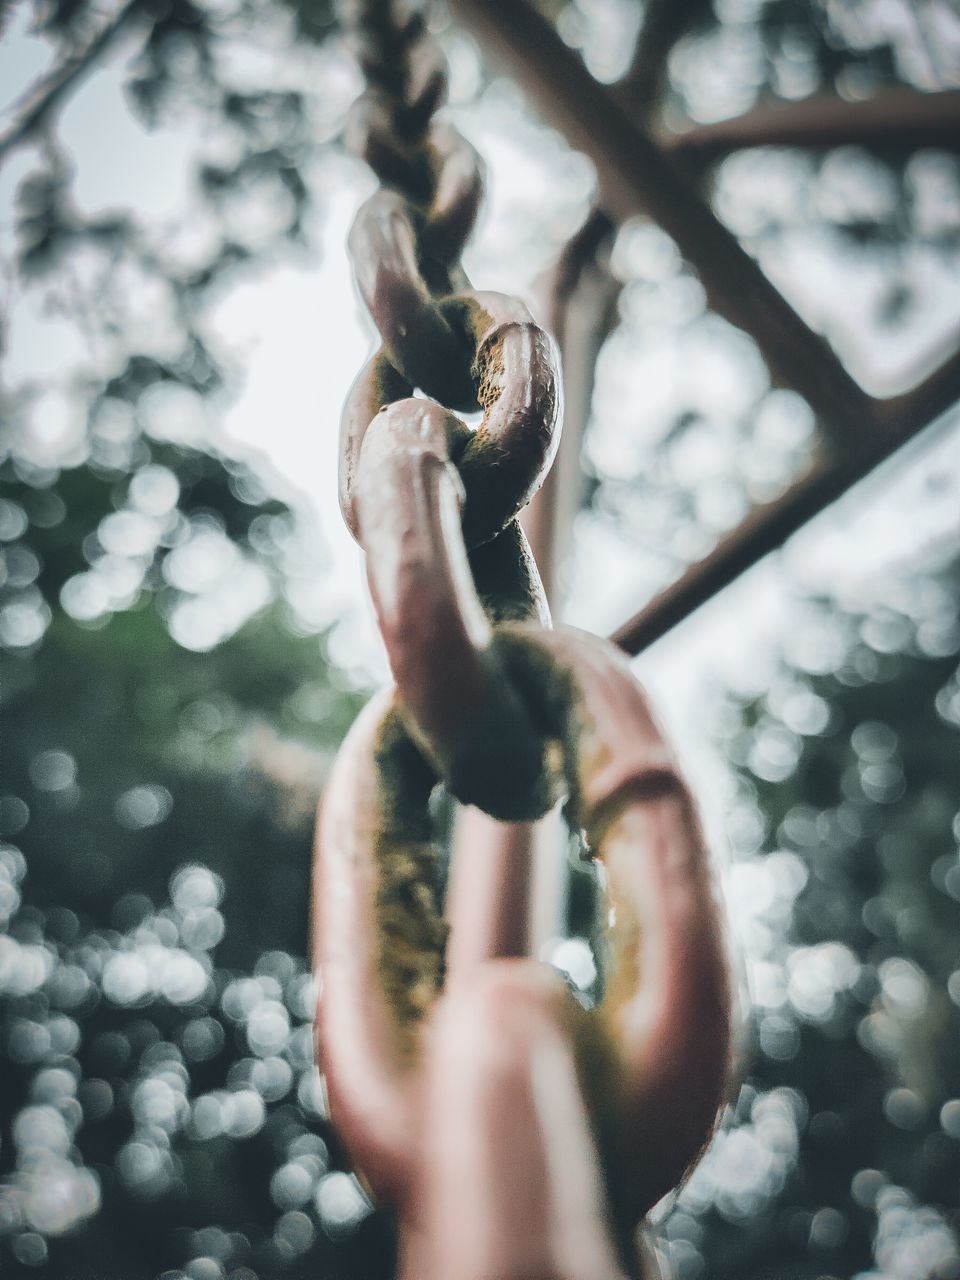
(49,92)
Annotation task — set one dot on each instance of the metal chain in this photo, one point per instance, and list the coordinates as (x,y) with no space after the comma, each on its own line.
(455,1095)
(468,350)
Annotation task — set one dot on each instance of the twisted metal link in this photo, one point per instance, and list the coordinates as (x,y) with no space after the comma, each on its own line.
(514,378)
(466,350)
(455,697)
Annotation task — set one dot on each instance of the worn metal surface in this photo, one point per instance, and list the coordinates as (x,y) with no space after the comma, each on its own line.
(482,1108)
(514,1132)
(511,368)
(454,696)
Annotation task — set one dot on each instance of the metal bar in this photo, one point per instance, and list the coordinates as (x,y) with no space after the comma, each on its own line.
(664,22)
(579,307)
(488,892)
(636,177)
(897,120)
(579,297)
(937,393)
(898,419)
(763,530)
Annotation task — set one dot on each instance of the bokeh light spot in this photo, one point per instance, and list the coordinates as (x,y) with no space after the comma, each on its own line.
(143,806)
(341,1204)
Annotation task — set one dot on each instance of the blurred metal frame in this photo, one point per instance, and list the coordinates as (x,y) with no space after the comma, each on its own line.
(642,173)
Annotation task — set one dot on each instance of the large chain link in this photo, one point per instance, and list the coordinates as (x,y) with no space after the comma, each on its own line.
(453,1095)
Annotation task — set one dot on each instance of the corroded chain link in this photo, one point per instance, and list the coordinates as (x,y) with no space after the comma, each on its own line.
(515,1133)
(467,350)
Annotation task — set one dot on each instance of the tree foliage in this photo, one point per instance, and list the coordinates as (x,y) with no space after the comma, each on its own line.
(160,1097)
(850,759)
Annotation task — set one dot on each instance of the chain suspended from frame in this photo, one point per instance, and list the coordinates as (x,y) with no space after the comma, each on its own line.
(514,1132)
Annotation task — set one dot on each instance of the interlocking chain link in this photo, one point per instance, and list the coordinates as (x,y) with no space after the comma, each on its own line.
(468,350)
(452,1095)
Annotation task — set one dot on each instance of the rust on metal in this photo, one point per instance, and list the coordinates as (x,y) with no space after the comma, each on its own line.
(517,379)
(419,340)
(455,701)
(651,1061)
(411,933)
(512,369)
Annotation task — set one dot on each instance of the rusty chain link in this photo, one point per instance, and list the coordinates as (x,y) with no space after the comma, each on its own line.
(468,350)
(441,1087)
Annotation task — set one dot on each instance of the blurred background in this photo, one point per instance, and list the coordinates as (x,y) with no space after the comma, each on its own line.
(185,637)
